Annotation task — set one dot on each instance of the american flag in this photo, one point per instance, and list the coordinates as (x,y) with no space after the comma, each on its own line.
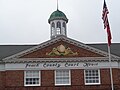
(106,23)
(104,15)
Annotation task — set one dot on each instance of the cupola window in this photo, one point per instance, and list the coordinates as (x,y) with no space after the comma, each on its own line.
(64,28)
(53,29)
(58,27)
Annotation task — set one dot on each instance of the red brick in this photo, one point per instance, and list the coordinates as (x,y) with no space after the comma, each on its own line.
(14,80)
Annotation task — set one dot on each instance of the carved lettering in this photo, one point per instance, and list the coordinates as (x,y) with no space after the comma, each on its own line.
(48,65)
(59,65)
(28,65)
(71,64)
(90,64)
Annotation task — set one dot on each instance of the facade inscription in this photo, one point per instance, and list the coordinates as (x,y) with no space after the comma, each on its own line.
(59,65)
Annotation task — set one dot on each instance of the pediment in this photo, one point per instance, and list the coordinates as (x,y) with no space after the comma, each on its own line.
(60,47)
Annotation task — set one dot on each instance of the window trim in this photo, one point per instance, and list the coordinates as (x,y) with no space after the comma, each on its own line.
(32,84)
(92,83)
(63,84)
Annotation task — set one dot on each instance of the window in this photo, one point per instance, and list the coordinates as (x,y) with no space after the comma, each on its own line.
(58,28)
(32,78)
(53,28)
(53,25)
(64,28)
(92,77)
(64,25)
(58,31)
(58,25)
(62,77)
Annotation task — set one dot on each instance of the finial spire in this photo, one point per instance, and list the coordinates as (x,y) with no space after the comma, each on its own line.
(57,4)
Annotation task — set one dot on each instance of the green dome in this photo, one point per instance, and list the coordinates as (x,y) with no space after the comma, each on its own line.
(57,15)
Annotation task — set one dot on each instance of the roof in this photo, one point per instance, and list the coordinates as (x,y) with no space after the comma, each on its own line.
(57,15)
(8,50)
(115,47)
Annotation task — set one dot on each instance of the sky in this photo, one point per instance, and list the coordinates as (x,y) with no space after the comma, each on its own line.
(26,21)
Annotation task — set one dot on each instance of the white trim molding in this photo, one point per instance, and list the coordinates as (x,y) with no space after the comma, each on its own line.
(59,65)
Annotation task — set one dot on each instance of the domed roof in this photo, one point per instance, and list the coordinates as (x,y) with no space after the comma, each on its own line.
(57,15)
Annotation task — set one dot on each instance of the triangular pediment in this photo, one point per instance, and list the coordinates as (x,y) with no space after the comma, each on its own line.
(60,47)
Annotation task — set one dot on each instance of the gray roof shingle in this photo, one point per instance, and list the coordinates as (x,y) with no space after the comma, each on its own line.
(114,48)
(8,50)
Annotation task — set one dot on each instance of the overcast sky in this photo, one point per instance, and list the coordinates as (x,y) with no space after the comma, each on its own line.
(26,21)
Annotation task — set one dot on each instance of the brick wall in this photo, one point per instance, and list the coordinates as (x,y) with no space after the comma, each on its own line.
(2,80)
(77,77)
(14,80)
(47,78)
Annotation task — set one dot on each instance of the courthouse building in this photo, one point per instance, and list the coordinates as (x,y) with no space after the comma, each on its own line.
(60,63)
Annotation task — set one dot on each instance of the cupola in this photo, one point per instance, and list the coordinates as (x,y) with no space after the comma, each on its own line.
(58,21)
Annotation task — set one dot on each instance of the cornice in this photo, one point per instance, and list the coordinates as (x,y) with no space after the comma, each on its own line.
(79,59)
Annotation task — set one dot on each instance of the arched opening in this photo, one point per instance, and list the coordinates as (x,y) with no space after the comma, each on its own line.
(58,27)
(64,28)
(53,28)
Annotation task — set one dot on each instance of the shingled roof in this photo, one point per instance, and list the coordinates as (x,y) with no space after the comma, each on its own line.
(115,48)
(8,50)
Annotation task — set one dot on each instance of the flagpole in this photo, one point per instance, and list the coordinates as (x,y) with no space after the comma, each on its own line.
(111,76)
(106,25)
